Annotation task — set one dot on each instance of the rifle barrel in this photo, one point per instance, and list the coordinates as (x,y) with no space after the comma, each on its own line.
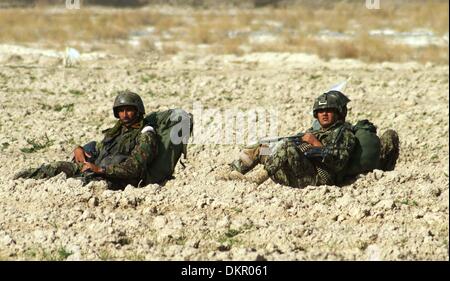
(294,137)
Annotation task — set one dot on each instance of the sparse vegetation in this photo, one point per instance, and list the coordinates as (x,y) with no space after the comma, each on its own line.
(228,237)
(47,91)
(408,202)
(37,145)
(58,107)
(105,255)
(63,253)
(232,232)
(30,253)
(135,257)
(170,49)
(39,253)
(5,145)
(76,92)
(67,107)
(237,210)
(147,78)
(180,240)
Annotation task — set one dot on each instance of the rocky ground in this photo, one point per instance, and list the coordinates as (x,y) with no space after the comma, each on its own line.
(47,109)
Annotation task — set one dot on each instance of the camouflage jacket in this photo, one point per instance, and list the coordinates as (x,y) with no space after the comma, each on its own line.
(125,153)
(340,142)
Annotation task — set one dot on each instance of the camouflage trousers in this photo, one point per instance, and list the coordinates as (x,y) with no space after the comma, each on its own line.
(287,165)
(71,169)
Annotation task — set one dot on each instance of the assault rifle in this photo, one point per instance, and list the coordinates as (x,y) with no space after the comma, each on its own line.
(295,138)
(317,152)
(312,153)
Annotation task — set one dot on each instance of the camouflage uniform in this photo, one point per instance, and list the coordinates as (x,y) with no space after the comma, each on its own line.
(289,166)
(124,153)
(71,169)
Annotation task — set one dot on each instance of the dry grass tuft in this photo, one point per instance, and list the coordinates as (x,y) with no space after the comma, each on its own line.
(230,46)
(32,25)
(170,49)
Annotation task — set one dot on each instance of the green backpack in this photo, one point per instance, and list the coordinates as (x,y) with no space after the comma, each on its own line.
(366,155)
(169,125)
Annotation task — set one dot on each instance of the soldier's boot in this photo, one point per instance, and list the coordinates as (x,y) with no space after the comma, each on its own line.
(239,166)
(26,173)
(259,176)
(390,149)
(229,173)
(49,170)
(248,159)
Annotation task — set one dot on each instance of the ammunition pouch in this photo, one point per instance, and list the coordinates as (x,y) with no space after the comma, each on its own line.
(317,153)
(112,159)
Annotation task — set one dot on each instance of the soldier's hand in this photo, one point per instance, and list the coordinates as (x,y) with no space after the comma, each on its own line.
(94,168)
(311,139)
(80,155)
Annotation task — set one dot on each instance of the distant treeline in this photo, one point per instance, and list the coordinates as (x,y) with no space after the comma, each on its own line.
(191,3)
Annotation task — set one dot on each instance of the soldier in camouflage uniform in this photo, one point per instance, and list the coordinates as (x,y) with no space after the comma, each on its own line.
(334,139)
(121,158)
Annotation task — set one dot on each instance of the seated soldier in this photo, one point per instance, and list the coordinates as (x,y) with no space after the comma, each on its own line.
(319,157)
(121,158)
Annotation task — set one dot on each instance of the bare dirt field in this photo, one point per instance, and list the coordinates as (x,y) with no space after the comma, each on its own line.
(47,109)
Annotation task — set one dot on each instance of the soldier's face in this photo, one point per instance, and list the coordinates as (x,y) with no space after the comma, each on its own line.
(127,113)
(326,117)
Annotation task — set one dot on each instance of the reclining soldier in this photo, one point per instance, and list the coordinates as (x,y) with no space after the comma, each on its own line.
(319,157)
(121,158)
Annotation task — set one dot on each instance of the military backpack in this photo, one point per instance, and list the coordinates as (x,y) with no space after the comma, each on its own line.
(366,154)
(173,128)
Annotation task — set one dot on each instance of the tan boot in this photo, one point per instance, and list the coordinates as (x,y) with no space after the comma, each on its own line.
(235,175)
(248,159)
(228,173)
(257,176)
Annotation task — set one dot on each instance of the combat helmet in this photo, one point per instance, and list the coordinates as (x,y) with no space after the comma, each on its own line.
(128,98)
(332,99)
